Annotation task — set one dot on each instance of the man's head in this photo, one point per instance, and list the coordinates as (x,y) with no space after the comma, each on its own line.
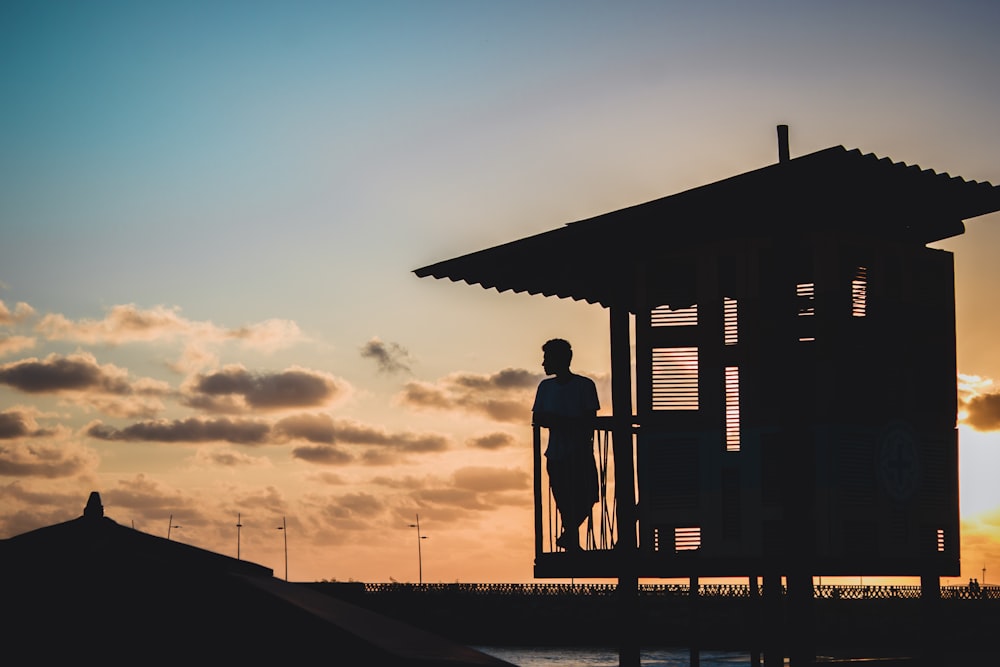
(557,354)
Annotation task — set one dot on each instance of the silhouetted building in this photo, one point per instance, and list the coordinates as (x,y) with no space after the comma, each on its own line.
(91,590)
(795,371)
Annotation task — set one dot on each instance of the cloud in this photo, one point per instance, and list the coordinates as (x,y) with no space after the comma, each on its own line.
(20,423)
(235,390)
(329,478)
(191,430)
(335,441)
(25,508)
(322,454)
(407,482)
(228,458)
(390,357)
(47,461)
(487,479)
(465,499)
(77,372)
(358,504)
(491,441)
(467,490)
(150,499)
(14,344)
(504,396)
(21,313)
(15,491)
(379,446)
(81,380)
(312,427)
(983,412)
(268,499)
(979,407)
(127,323)
(353,432)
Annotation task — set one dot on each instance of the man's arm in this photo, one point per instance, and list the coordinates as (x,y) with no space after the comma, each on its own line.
(553,420)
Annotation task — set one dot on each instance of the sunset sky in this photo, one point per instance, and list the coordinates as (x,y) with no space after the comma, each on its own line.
(210,213)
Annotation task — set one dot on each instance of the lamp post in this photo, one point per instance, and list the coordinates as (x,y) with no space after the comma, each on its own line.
(170,524)
(239,527)
(284,529)
(420,557)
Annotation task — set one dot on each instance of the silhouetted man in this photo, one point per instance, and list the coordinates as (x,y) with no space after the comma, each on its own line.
(566,405)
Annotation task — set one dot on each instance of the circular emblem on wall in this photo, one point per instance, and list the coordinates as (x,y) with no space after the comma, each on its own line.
(898,461)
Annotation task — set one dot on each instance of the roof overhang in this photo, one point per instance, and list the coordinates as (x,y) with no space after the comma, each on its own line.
(835,192)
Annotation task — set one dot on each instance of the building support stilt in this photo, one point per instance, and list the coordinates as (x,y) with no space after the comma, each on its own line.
(626,546)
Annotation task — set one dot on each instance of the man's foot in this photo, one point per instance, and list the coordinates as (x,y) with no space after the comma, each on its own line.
(568,542)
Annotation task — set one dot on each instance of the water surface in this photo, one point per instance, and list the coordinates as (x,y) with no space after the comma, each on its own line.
(608,657)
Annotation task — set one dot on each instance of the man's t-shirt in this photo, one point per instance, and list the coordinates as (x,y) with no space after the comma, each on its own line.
(576,398)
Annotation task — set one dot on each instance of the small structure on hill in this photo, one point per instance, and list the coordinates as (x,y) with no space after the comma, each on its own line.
(795,374)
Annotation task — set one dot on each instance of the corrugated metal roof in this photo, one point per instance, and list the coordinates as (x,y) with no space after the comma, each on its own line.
(835,191)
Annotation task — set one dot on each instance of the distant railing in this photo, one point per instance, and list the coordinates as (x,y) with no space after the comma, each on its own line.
(825,592)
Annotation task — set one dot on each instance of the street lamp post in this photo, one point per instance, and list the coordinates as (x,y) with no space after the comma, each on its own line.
(170,524)
(420,556)
(239,527)
(284,529)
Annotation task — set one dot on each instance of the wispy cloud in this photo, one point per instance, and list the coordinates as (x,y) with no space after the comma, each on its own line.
(491,479)
(228,458)
(151,499)
(390,357)
(127,323)
(21,313)
(472,489)
(15,344)
(504,396)
(49,461)
(236,390)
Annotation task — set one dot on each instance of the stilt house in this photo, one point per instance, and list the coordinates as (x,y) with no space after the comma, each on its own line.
(795,374)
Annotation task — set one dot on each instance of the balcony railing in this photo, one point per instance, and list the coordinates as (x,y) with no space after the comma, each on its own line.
(601,528)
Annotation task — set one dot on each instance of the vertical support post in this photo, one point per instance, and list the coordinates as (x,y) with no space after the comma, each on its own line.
(536,439)
(773,622)
(695,619)
(930,602)
(621,403)
(754,623)
(801,630)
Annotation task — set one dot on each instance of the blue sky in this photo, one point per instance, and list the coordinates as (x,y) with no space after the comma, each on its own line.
(282,167)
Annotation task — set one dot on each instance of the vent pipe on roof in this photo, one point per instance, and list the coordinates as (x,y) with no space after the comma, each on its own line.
(783,155)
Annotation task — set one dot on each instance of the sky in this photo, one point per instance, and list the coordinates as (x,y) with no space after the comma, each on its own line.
(210,213)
